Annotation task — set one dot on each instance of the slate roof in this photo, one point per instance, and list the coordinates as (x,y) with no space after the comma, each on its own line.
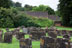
(42,14)
(54,17)
(37,14)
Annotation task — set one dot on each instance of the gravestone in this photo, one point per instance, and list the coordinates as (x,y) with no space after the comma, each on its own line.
(1,34)
(66,42)
(37,34)
(46,42)
(70,33)
(66,36)
(20,35)
(46,30)
(58,32)
(25,30)
(25,43)
(64,32)
(52,34)
(62,43)
(7,29)
(17,30)
(8,37)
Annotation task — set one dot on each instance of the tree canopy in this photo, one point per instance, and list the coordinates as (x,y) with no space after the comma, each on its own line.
(65,8)
(5,3)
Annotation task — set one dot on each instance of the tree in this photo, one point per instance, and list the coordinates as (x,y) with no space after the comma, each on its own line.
(40,8)
(57,13)
(50,11)
(5,3)
(44,8)
(28,7)
(17,4)
(65,8)
(5,18)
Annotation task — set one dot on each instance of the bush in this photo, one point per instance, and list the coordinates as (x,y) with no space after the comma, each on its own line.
(5,20)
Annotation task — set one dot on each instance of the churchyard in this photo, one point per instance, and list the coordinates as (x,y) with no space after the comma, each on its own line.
(35,38)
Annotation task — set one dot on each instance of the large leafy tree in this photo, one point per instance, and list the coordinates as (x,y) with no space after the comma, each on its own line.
(44,8)
(17,4)
(5,3)
(65,8)
(28,7)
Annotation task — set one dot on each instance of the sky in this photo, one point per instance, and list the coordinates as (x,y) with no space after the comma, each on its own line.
(52,3)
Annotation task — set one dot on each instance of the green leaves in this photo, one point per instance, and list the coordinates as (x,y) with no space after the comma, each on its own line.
(66,12)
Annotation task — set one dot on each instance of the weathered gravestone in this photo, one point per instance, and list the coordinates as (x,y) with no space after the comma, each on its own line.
(36,34)
(1,34)
(64,32)
(8,37)
(52,34)
(66,36)
(25,30)
(20,35)
(70,33)
(30,29)
(62,43)
(7,29)
(15,31)
(58,32)
(46,42)
(25,43)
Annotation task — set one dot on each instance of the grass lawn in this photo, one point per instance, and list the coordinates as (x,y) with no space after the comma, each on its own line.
(35,44)
(63,28)
(15,42)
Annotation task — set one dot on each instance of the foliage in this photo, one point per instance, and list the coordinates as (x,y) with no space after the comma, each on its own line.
(5,3)
(5,20)
(42,22)
(57,13)
(17,4)
(50,11)
(28,7)
(44,8)
(65,8)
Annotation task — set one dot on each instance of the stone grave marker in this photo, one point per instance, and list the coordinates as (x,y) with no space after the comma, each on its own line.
(36,34)
(47,42)
(64,32)
(7,29)
(66,36)
(20,35)
(66,42)
(25,30)
(25,43)
(8,37)
(70,33)
(52,34)
(1,34)
(58,32)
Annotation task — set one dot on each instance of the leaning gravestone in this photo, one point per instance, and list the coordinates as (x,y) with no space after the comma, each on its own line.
(8,37)
(1,34)
(25,43)
(47,42)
